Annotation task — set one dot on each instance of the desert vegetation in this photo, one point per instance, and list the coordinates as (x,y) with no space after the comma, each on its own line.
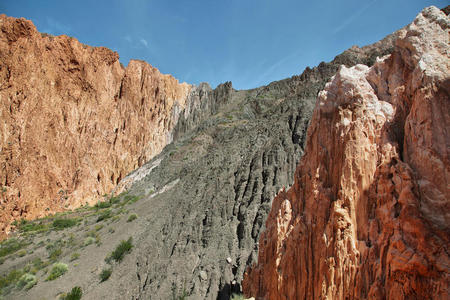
(47,248)
(132,217)
(123,248)
(74,294)
(57,270)
(105,274)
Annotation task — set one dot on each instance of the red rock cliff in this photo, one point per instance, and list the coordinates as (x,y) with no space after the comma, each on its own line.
(368,216)
(73,120)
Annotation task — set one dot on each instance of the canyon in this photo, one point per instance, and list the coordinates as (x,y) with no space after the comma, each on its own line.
(329,184)
(368,214)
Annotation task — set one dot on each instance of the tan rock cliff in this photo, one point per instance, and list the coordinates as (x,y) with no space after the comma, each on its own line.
(74,122)
(368,216)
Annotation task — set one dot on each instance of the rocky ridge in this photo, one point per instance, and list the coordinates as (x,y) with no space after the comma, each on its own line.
(74,120)
(368,213)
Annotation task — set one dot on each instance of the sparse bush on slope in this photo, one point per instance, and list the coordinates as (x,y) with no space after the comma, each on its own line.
(58,270)
(123,248)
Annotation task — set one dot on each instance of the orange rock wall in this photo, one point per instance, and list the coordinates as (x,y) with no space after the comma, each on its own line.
(73,120)
(368,216)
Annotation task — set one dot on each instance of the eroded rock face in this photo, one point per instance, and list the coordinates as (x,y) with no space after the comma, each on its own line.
(369,212)
(207,195)
(74,122)
(204,199)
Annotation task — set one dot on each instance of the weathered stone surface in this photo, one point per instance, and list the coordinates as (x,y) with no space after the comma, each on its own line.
(369,212)
(74,122)
(206,195)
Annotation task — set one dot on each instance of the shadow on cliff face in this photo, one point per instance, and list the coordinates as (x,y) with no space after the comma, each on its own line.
(228,290)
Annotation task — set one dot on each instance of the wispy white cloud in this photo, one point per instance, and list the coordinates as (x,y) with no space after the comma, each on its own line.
(144,42)
(140,43)
(352,17)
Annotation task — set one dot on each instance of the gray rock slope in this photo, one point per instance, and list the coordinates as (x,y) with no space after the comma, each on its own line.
(230,157)
(203,200)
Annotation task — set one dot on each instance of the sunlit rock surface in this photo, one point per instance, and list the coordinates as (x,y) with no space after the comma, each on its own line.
(369,212)
(74,122)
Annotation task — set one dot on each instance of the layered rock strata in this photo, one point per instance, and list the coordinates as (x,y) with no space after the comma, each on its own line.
(207,195)
(74,121)
(368,214)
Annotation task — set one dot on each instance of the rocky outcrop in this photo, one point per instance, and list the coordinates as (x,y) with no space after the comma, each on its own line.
(204,199)
(368,214)
(203,103)
(74,122)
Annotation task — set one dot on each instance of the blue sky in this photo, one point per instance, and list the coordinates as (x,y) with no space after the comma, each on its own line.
(250,42)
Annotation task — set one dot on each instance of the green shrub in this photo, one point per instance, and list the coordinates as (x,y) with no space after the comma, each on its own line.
(55,245)
(132,217)
(114,200)
(10,279)
(64,223)
(58,270)
(98,227)
(55,254)
(237,297)
(92,233)
(75,294)
(22,253)
(115,219)
(104,215)
(38,264)
(105,274)
(71,239)
(27,268)
(98,241)
(123,248)
(100,205)
(26,280)
(10,246)
(131,199)
(95,236)
(33,226)
(89,240)
(74,256)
